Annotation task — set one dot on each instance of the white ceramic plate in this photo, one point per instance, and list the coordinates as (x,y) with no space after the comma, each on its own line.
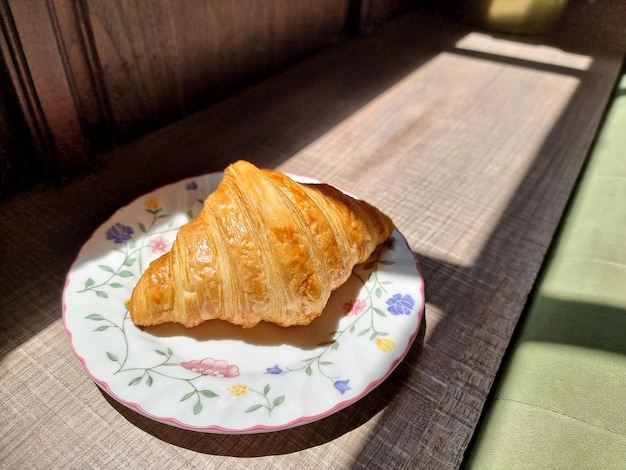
(219,377)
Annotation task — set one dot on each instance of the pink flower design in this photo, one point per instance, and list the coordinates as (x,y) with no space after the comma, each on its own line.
(211,367)
(354,307)
(160,245)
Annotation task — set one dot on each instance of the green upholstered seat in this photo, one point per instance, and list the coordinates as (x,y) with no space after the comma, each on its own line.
(560,401)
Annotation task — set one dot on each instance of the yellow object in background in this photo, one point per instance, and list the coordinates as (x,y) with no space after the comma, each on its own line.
(515,16)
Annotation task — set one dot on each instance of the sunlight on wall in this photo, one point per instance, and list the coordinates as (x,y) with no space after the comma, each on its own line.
(559,60)
(521,16)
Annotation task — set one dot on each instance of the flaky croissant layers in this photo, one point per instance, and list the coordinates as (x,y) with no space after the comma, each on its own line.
(263,248)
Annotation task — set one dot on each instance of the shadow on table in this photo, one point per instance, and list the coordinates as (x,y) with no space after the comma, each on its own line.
(286,441)
(209,145)
(266,124)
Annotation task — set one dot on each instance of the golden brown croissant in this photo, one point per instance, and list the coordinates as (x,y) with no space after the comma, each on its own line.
(264,247)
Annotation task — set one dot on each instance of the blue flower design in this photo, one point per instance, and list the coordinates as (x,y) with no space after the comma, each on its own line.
(191,186)
(400,304)
(274,370)
(119,233)
(342,386)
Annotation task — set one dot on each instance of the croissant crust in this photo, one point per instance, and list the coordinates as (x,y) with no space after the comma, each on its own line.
(263,248)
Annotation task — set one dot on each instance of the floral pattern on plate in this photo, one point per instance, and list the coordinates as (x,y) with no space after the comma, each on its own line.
(218,377)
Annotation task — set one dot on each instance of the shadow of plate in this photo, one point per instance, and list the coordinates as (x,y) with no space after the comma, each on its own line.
(290,440)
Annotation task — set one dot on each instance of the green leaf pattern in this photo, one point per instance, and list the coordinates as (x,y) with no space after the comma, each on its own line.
(201,386)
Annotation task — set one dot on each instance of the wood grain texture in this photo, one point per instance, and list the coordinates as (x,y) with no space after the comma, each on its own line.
(88,74)
(19,89)
(83,70)
(53,75)
(47,88)
(383,11)
(18,163)
(163,60)
(472,142)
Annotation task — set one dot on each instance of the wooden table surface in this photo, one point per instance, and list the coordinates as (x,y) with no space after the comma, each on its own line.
(471,141)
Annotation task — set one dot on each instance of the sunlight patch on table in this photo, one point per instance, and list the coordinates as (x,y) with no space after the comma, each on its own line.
(544,56)
(417,121)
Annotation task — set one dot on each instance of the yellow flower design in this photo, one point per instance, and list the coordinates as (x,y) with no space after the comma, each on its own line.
(152,202)
(385,344)
(238,390)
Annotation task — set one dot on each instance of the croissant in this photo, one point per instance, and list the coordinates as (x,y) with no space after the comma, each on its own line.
(263,248)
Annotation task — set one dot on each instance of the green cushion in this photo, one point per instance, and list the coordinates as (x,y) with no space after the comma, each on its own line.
(586,385)
(560,401)
(525,437)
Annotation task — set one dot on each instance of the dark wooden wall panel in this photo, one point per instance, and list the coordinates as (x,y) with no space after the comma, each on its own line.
(51,88)
(162,60)
(86,75)
(19,166)
(385,10)
(82,67)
